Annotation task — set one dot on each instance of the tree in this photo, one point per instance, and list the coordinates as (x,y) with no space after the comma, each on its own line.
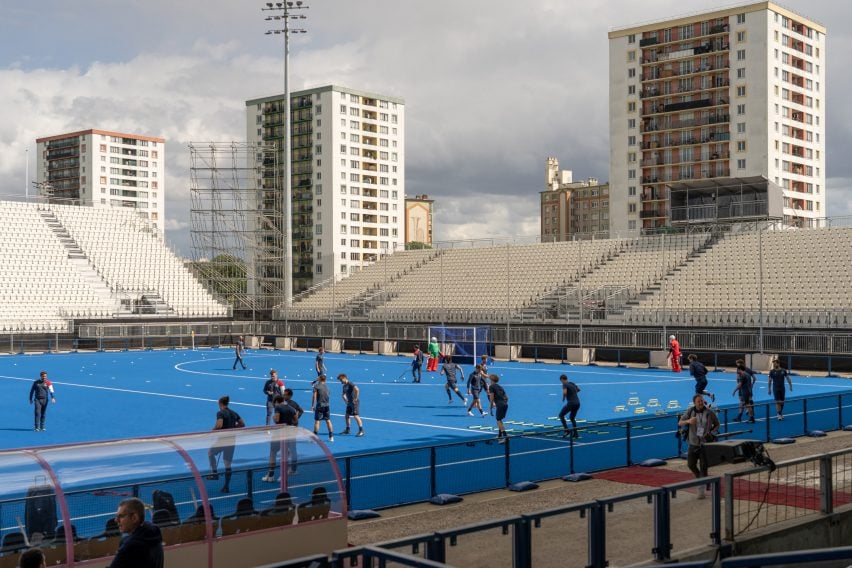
(417,245)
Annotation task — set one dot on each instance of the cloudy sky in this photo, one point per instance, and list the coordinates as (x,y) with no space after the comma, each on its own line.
(491,87)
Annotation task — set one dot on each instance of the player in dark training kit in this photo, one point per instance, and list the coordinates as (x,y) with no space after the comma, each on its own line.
(572,406)
(319,363)
(287,415)
(745,386)
(499,400)
(322,407)
(226,419)
(476,382)
(452,370)
(352,399)
(239,349)
(776,385)
(417,364)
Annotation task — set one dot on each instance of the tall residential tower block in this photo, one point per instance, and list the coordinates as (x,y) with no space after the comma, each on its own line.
(348,176)
(102,169)
(718,116)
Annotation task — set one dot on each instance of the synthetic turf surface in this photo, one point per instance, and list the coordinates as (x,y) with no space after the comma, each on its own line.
(112,395)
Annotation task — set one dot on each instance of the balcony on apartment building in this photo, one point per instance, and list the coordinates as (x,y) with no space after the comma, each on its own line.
(58,153)
(677,52)
(698,84)
(653,213)
(669,71)
(660,107)
(669,177)
(367,101)
(369,114)
(686,139)
(369,140)
(301,102)
(677,160)
(367,127)
(798,116)
(63,143)
(654,194)
(654,38)
(800,187)
(797,133)
(798,45)
(677,123)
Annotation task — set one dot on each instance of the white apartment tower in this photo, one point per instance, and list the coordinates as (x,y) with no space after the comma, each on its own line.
(348,176)
(718,116)
(100,168)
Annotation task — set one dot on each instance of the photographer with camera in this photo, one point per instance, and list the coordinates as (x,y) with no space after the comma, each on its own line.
(703,427)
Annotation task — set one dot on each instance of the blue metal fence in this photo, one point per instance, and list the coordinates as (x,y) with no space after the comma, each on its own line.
(397,477)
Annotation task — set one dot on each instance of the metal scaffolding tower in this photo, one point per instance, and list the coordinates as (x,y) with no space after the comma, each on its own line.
(237,222)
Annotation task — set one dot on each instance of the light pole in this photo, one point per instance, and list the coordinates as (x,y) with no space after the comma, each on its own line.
(283,14)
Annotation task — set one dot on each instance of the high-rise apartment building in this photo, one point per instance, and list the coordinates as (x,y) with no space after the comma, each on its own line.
(572,209)
(718,116)
(99,168)
(348,176)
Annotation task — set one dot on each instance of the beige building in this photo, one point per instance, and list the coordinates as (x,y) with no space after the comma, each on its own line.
(718,116)
(101,169)
(418,219)
(572,209)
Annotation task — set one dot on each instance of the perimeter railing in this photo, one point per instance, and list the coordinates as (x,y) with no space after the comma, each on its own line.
(411,475)
(811,488)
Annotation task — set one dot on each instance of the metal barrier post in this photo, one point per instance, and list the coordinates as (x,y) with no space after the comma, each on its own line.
(597,535)
(662,526)
(348,483)
(507,460)
(522,544)
(716,504)
(436,549)
(830,374)
(627,437)
(729,507)
(433,475)
(571,454)
(826,485)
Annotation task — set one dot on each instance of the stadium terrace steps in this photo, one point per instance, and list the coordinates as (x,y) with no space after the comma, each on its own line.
(73,262)
(700,278)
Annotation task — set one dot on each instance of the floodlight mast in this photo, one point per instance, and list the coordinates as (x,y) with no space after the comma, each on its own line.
(283,14)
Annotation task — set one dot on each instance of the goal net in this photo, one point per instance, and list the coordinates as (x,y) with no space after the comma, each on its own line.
(465,344)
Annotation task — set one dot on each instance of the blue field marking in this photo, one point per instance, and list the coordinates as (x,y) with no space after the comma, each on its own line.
(115,395)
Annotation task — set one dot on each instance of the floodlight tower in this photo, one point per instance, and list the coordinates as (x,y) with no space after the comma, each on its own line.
(283,14)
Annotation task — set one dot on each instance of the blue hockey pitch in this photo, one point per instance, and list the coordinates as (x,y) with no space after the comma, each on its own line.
(113,395)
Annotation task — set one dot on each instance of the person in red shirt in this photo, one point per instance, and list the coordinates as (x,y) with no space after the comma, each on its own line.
(674,353)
